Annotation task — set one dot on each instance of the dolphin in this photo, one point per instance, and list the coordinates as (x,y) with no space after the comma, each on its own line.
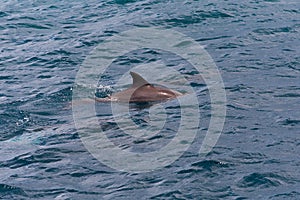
(141,91)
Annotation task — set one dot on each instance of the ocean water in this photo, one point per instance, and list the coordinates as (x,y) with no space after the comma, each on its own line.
(255,46)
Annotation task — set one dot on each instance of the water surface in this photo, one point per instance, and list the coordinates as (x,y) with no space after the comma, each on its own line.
(255,45)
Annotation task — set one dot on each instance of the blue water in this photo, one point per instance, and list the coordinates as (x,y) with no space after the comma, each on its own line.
(255,45)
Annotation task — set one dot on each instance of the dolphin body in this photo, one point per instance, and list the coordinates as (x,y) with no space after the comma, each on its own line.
(141,91)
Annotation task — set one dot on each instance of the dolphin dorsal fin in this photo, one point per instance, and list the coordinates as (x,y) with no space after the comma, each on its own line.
(137,80)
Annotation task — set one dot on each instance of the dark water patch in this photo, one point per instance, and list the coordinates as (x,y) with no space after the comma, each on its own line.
(11,192)
(294,66)
(39,156)
(83,172)
(235,107)
(212,14)
(196,18)
(44,104)
(199,86)
(210,164)
(59,52)
(271,31)
(238,88)
(56,139)
(213,38)
(44,76)
(245,68)
(286,195)
(294,11)
(34,60)
(31,26)
(262,180)
(288,50)
(60,192)
(123,2)
(173,194)
(29,18)
(60,96)
(6,77)
(286,76)
(41,112)
(151,179)
(279,143)
(13,122)
(3,14)
(289,122)
(293,95)
(23,116)
(271,1)
(230,46)
(206,166)
(249,157)
(149,144)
